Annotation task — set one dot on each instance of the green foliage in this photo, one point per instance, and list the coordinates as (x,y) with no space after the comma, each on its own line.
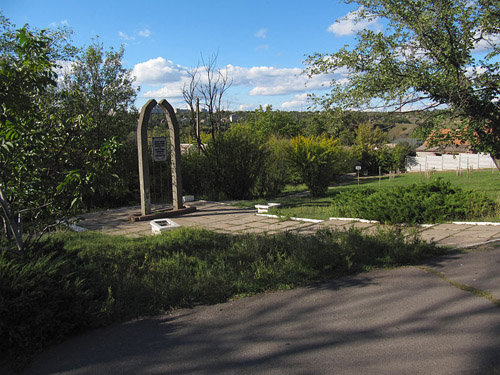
(371,152)
(195,172)
(235,160)
(274,173)
(47,293)
(368,146)
(426,54)
(266,122)
(433,202)
(235,166)
(317,160)
(77,281)
(58,137)
(101,89)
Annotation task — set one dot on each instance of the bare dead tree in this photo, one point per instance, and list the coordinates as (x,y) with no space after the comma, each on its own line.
(210,86)
(189,92)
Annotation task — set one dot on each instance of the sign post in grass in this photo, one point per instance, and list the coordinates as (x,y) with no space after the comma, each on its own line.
(358,168)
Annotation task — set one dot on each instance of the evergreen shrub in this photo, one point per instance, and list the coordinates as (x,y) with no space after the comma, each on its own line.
(434,202)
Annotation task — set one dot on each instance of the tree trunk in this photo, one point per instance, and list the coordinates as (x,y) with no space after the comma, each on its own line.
(496,161)
(11,223)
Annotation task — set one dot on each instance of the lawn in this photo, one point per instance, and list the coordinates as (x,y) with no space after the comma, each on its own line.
(297,203)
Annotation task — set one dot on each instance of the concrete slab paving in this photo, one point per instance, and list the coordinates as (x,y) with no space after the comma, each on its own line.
(452,227)
(228,219)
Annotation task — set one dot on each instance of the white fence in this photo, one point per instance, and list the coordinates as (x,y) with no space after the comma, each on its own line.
(447,162)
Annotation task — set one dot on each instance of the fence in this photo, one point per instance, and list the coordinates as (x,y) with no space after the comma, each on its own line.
(448,162)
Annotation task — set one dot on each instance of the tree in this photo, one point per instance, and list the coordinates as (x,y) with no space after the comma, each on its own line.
(98,87)
(267,122)
(368,145)
(40,177)
(209,86)
(428,55)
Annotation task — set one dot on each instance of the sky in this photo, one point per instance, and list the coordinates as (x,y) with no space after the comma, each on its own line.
(261,43)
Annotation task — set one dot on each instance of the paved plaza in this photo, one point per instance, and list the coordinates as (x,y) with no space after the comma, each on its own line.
(226,218)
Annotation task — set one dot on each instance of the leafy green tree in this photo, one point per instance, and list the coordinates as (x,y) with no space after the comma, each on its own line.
(431,53)
(266,122)
(274,170)
(235,161)
(40,177)
(98,87)
(368,145)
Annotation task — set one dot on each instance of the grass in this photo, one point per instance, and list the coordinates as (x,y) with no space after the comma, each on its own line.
(295,204)
(73,282)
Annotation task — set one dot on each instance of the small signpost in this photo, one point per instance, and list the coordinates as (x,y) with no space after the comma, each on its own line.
(358,168)
(159,148)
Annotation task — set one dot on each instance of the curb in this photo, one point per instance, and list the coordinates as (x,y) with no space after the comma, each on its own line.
(355,219)
(315,221)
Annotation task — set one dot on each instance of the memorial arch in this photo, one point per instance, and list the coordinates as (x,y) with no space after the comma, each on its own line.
(175,154)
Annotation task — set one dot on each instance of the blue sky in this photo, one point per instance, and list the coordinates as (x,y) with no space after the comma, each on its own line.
(261,43)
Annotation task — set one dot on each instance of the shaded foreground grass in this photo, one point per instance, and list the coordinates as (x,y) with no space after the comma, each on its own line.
(77,281)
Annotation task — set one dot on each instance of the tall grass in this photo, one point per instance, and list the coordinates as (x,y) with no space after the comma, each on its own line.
(76,281)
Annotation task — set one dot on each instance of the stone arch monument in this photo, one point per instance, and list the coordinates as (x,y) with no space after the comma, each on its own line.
(175,152)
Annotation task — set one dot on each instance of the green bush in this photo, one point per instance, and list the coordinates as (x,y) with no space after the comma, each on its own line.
(433,202)
(317,160)
(236,166)
(274,173)
(235,159)
(194,172)
(77,281)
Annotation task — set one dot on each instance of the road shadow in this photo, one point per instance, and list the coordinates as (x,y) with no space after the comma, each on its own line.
(392,322)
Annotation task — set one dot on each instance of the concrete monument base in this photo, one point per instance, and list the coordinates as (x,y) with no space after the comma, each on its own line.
(162,214)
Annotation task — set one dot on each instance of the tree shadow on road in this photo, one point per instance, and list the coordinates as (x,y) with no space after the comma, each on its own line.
(391,321)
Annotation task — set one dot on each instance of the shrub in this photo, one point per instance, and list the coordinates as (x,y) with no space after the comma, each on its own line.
(433,202)
(273,174)
(195,172)
(236,166)
(317,160)
(46,294)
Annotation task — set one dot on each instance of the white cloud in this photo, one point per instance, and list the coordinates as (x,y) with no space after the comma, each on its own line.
(62,69)
(298,102)
(173,90)
(57,24)
(487,43)
(266,80)
(146,33)
(158,71)
(262,33)
(247,107)
(161,78)
(125,36)
(352,23)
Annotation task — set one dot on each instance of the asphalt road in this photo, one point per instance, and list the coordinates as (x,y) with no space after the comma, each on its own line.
(401,321)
